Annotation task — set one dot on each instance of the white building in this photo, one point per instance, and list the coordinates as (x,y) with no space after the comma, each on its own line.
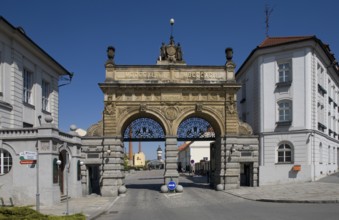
(28,124)
(193,151)
(290,97)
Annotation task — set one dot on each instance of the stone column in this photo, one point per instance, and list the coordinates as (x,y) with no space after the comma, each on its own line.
(171,166)
(112,176)
(219,162)
(84,184)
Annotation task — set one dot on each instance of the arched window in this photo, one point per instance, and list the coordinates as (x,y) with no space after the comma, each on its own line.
(285,153)
(5,161)
(55,171)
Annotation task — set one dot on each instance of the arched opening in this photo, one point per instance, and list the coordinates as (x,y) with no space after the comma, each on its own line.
(144,142)
(196,152)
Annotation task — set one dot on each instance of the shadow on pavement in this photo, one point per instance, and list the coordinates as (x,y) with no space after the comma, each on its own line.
(194,181)
(153,186)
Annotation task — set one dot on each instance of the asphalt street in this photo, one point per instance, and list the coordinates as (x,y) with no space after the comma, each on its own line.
(143,201)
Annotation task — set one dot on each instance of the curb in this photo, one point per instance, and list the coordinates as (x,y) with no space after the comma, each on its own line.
(285,200)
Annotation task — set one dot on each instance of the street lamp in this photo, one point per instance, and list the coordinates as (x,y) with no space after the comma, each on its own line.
(59,162)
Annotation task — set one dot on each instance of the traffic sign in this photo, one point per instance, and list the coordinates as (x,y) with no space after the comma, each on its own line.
(171,185)
(192,161)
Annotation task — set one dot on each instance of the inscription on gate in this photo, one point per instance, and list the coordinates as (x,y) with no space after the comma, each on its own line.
(169,75)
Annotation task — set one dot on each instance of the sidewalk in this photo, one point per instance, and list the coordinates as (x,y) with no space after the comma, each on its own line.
(322,191)
(91,206)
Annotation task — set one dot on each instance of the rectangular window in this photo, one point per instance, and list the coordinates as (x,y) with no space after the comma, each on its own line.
(329,155)
(285,111)
(320,74)
(45,95)
(28,85)
(284,70)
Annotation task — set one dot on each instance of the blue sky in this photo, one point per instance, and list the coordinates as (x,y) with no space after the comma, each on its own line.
(76,34)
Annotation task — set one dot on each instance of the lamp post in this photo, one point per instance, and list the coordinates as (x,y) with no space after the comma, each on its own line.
(59,162)
(37,178)
(67,171)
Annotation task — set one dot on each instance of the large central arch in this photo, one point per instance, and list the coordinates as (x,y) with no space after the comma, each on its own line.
(169,94)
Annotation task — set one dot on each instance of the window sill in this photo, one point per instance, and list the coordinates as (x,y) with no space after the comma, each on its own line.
(284,163)
(284,123)
(283,84)
(29,105)
(46,112)
(5,105)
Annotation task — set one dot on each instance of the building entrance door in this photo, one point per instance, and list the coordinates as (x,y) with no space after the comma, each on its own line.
(94,179)
(246,171)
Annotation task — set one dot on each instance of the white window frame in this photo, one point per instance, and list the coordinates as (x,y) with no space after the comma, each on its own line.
(27,86)
(285,148)
(285,110)
(5,155)
(45,93)
(320,73)
(284,71)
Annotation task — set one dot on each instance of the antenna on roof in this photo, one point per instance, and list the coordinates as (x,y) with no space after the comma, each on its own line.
(268,12)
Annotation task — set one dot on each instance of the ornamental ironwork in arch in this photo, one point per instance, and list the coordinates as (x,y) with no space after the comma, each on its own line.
(144,129)
(195,128)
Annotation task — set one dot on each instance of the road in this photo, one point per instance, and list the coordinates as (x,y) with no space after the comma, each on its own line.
(144,201)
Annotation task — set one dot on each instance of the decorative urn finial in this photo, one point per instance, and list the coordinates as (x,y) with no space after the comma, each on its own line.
(229,53)
(110,53)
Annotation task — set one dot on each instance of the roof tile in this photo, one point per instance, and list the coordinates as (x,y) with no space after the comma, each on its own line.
(274,41)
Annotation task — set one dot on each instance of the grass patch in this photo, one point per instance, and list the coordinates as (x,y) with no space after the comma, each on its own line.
(17,213)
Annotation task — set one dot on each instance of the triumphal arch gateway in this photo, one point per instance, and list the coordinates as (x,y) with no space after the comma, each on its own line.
(173,101)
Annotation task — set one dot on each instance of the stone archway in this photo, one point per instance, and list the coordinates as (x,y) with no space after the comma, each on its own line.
(170,92)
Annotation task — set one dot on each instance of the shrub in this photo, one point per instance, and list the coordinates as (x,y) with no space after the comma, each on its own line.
(17,213)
